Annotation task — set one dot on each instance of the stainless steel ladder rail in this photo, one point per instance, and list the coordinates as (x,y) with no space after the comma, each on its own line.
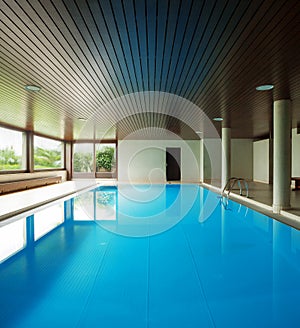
(230,184)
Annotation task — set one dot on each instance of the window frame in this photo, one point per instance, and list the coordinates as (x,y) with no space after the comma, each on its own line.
(29,152)
(94,173)
(63,155)
(25,156)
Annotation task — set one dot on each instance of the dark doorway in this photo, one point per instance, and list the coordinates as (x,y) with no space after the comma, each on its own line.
(173,163)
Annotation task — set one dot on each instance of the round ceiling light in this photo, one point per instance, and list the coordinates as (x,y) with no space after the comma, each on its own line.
(34,88)
(218,119)
(265,87)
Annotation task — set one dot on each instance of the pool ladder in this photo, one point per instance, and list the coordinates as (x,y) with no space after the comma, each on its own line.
(231,183)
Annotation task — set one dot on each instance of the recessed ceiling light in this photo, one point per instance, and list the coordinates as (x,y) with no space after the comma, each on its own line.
(82,119)
(265,87)
(35,88)
(198,132)
(218,119)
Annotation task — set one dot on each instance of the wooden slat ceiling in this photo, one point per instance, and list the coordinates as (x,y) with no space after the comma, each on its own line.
(110,60)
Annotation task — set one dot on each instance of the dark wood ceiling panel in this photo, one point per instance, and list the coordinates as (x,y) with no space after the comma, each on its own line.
(197,47)
(133,43)
(42,52)
(141,22)
(251,55)
(151,16)
(161,34)
(193,18)
(100,49)
(25,74)
(113,30)
(105,60)
(45,67)
(254,70)
(211,41)
(123,35)
(84,40)
(172,23)
(223,44)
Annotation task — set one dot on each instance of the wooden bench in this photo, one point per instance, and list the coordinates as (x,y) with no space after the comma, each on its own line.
(11,186)
(297,183)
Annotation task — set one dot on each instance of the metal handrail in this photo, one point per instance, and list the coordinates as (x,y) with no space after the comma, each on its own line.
(230,184)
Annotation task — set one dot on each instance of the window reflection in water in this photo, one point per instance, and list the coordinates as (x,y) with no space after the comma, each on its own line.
(106,204)
(84,207)
(13,238)
(48,219)
(99,204)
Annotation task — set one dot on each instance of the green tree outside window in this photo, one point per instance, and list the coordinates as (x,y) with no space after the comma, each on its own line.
(105,158)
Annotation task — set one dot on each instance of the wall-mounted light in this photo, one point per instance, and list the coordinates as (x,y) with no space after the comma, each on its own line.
(265,87)
(218,119)
(34,88)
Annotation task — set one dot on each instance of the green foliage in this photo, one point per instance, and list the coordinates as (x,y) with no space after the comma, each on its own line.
(9,160)
(105,198)
(46,158)
(105,158)
(83,162)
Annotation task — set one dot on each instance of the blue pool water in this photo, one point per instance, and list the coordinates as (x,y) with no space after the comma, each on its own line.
(157,256)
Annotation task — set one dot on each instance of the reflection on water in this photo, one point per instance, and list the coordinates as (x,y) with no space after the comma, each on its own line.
(137,210)
(13,238)
(48,219)
(234,266)
(105,204)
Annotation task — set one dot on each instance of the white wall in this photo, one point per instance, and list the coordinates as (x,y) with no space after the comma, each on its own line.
(212,160)
(295,153)
(242,158)
(261,161)
(145,160)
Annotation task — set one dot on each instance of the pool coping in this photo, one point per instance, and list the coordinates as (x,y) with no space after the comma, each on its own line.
(290,219)
(76,187)
(28,201)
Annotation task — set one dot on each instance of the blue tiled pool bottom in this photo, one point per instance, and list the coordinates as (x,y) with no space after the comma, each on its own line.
(236,268)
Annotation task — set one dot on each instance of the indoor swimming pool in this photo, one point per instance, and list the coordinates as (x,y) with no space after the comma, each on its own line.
(149,256)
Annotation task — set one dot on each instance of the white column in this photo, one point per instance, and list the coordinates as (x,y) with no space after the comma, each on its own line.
(201,160)
(282,155)
(226,155)
(68,159)
(30,151)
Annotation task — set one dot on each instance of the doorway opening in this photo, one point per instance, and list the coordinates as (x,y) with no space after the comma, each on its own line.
(173,164)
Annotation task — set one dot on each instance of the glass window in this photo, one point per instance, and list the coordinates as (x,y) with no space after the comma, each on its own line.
(48,153)
(83,157)
(106,157)
(12,238)
(48,219)
(12,150)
